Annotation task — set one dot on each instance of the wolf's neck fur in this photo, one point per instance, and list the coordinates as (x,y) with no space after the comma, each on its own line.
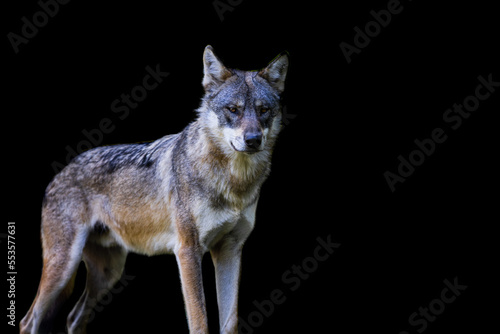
(235,176)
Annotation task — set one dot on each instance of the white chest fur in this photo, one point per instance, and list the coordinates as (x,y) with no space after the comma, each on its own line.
(214,224)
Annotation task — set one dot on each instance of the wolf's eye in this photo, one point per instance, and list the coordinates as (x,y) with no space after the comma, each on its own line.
(232,109)
(264,110)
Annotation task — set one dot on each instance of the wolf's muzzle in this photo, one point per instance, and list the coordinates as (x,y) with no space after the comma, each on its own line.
(253,140)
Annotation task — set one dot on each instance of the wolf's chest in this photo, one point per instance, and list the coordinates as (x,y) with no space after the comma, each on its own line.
(213,224)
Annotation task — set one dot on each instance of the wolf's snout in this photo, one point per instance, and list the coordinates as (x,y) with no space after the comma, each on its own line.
(253,140)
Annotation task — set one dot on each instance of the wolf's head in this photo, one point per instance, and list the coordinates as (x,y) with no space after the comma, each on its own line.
(241,109)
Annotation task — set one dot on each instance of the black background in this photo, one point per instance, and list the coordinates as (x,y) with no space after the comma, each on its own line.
(351,123)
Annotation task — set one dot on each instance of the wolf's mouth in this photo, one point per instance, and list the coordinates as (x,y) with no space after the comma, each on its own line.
(247,151)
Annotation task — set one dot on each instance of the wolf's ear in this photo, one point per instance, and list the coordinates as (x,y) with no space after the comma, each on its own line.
(215,73)
(275,72)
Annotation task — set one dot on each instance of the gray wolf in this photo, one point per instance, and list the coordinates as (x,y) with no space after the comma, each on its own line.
(187,194)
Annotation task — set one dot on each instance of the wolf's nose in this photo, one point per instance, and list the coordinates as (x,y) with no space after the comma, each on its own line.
(253,140)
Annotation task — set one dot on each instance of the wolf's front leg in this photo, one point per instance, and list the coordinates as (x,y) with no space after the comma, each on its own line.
(226,257)
(189,261)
